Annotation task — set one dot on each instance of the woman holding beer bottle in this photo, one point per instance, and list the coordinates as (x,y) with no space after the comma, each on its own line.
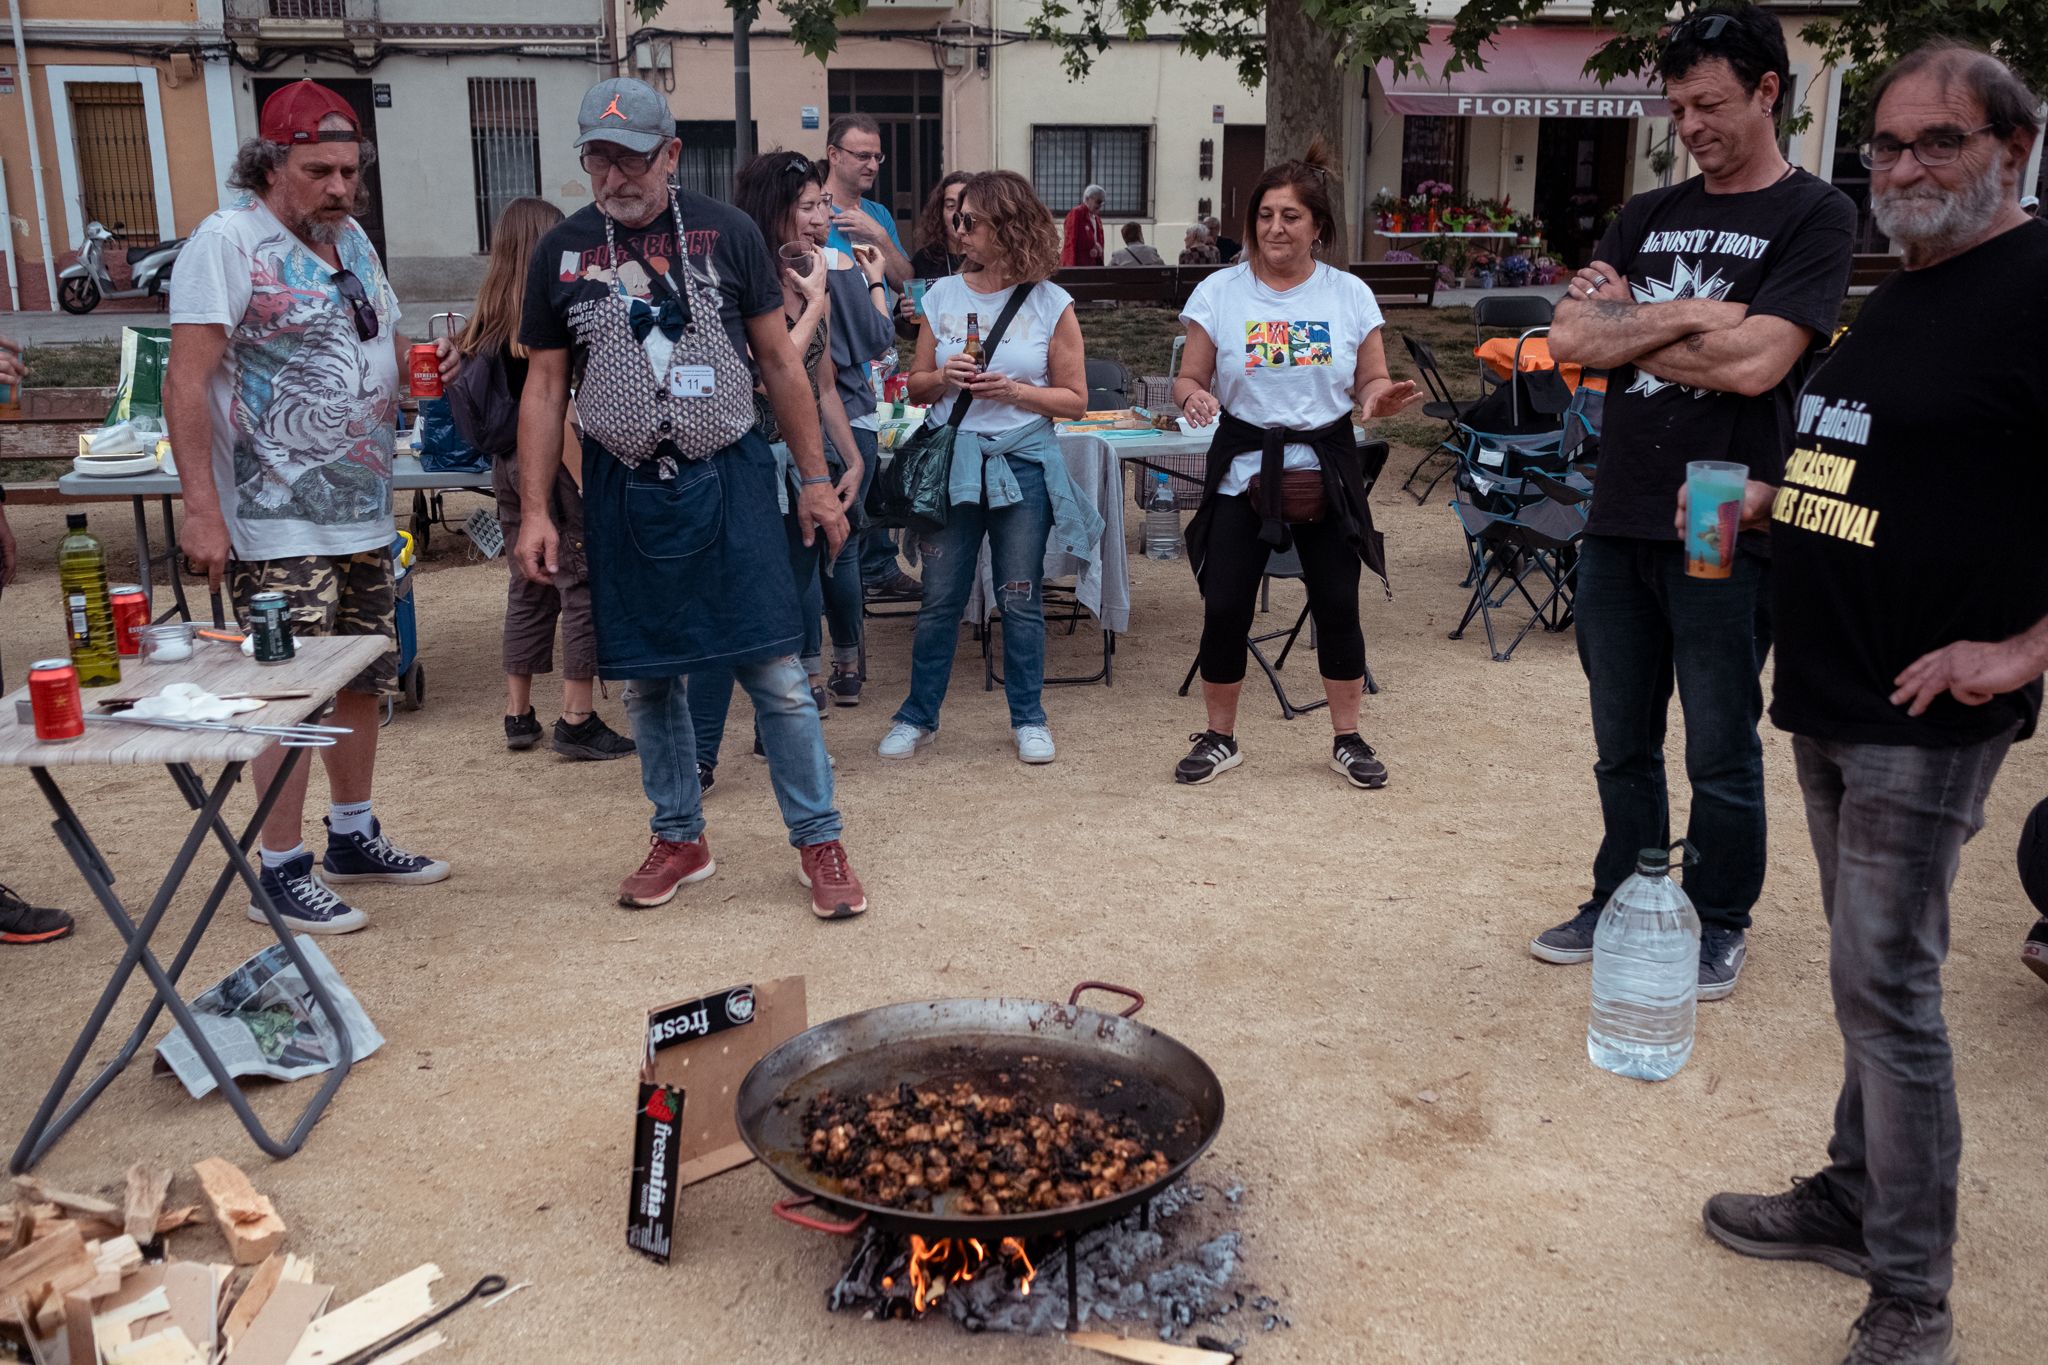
(998,349)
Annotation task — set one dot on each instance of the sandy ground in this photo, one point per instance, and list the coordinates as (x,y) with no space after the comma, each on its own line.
(1331,952)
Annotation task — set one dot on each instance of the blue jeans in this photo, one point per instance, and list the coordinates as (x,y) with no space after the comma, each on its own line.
(788,719)
(877,543)
(1888,825)
(1016,537)
(1643,624)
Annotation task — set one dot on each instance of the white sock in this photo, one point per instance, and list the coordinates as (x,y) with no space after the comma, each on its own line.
(273,859)
(353,818)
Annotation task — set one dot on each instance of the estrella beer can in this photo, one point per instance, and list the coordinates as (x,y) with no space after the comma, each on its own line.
(424,364)
(131,613)
(53,698)
(270,626)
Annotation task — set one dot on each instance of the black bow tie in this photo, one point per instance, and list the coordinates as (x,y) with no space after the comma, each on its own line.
(644,316)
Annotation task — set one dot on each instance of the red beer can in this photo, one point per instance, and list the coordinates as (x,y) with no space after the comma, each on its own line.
(131,613)
(424,362)
(53,696)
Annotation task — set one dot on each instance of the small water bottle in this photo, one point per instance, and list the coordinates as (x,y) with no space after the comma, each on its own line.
(1162,522)
(1646,974)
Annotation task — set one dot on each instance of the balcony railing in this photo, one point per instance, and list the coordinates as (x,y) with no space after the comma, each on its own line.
(263,15)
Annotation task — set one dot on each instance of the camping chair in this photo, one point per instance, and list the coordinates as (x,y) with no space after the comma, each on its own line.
(1062,606)
(1110,384)
(1287,564)
(1441,405)
(1538,541)
(1527,314)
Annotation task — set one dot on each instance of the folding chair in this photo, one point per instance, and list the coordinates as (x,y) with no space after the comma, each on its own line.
(1287,564)
(1540,540)
(1110,384)
(1441,405)
(1527,314)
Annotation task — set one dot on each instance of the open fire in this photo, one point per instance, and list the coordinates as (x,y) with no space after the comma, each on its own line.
(956,1260)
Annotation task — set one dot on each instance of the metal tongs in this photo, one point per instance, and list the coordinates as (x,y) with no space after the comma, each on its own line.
(301,736)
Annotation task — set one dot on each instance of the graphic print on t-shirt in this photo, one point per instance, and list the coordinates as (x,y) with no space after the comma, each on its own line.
(1278,343)
(1812,495)
(636,275)
(1689,280)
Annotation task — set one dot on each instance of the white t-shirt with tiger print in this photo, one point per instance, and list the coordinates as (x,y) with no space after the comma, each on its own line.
(303,410)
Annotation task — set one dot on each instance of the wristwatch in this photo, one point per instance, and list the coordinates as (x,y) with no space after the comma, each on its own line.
(815,479)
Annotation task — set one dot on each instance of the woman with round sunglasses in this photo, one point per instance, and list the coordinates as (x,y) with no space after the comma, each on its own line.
(1008,483)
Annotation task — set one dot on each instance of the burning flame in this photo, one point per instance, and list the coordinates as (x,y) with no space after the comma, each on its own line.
(934,1265)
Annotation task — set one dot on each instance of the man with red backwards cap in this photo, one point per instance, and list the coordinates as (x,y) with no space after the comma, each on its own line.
(285,357)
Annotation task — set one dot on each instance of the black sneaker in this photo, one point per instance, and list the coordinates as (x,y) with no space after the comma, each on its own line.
(522,732)
(1353,759)
(1800,1224)
(707,777)
(2034,951)
(821,700)
(1722,953)
(590,739)
(898,585)
(1895,1331)
(304,902)
(1213,753)
(21,922)
(844,686)
(373,858)
(1569,943)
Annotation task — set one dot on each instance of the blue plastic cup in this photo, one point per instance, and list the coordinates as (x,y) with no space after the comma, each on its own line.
(1713,516)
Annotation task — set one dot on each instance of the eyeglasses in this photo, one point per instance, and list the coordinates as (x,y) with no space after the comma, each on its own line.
(360,308)
(963,223)
(1705,28)
(1929,149)
(865,158)
(630,163)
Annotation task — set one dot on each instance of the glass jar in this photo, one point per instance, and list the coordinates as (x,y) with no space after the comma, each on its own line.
(170,643)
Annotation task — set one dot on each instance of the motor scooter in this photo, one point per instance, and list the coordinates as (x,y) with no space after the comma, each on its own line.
(82,284)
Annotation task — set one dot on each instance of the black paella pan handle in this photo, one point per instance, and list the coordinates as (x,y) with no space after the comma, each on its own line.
(1137,1000)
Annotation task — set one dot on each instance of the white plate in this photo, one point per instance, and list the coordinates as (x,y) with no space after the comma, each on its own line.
(114,466)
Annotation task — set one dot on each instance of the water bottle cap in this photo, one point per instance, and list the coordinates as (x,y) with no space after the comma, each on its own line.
(75,521)
(1654,861)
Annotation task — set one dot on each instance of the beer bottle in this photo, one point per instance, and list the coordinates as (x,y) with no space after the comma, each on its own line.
(972,350)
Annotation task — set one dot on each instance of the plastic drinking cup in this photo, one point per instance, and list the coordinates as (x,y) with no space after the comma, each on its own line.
(1713,516)
(917,288)
(798,256)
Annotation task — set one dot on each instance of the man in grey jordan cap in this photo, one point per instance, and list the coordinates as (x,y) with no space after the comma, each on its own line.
(657,296)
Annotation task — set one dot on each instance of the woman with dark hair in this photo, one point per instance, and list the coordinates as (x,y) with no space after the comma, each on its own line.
(484,401)
(1283,467)
(784,193)
(939,250)
(1136,250)
(1009,482)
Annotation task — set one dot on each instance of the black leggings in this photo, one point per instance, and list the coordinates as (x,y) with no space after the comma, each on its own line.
(1230,593)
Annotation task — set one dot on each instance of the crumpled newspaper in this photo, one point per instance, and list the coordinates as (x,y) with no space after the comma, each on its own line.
(189,701)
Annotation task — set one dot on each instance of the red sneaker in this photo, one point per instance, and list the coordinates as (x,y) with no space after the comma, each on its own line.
(668,868)
(835,891)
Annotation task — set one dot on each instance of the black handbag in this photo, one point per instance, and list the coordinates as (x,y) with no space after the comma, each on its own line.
(915,489)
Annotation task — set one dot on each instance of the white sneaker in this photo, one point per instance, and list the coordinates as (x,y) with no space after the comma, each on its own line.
(903,741)
(1034,744)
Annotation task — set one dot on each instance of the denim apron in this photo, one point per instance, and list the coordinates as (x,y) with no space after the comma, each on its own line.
(687,571)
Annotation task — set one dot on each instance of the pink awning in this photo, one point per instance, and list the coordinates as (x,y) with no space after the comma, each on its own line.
(1531,72)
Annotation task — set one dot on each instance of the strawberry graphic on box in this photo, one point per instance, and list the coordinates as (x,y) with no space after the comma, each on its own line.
(658,1107)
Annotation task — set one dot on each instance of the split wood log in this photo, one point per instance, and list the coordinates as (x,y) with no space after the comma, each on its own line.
(147,1186)
(246,1218)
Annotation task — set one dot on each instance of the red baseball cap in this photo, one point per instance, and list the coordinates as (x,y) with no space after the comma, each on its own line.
(293,115)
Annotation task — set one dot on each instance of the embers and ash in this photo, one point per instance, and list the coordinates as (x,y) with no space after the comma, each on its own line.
(1178,1269)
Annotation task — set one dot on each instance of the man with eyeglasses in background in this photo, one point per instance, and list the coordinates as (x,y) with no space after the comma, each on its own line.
(1708,301)
(667,306)
(281,401)
(1911,602)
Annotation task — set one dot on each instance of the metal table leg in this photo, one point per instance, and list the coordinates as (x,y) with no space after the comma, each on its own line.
(48,1125)
(172,555)
(142,546)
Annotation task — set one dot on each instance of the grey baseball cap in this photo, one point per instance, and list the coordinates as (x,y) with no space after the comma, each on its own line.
(627,112)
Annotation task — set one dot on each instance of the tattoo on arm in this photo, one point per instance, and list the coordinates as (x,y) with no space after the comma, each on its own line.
(1696,342)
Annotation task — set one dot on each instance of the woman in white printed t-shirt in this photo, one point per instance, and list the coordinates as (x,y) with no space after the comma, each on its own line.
(1009,482)
(1283,348)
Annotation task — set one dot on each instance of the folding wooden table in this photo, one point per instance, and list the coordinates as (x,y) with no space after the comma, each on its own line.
(322,668)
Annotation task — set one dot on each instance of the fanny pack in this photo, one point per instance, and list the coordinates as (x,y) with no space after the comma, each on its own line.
(1302,497)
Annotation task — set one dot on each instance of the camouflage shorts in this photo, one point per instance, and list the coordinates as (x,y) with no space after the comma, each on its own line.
(331,595)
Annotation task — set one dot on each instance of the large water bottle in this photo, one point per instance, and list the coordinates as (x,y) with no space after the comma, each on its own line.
(1162,522)
(1646,974)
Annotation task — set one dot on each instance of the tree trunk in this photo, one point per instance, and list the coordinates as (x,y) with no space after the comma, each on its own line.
(1306,88)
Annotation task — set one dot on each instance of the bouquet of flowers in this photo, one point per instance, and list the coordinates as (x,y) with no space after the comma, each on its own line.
(1516,271)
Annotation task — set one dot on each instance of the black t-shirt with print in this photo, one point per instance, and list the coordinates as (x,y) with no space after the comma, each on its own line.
(571,271)
(1910,513)
(1784,251)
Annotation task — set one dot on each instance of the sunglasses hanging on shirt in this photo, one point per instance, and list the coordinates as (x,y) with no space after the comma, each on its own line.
(361,310)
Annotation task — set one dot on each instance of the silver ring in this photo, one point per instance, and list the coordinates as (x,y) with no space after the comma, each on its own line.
(1599,280)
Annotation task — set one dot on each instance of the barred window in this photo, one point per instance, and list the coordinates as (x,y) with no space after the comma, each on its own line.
(116,179)
(1068,158)
(706,166)
(504,146)
(1432,148)
(306,9)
